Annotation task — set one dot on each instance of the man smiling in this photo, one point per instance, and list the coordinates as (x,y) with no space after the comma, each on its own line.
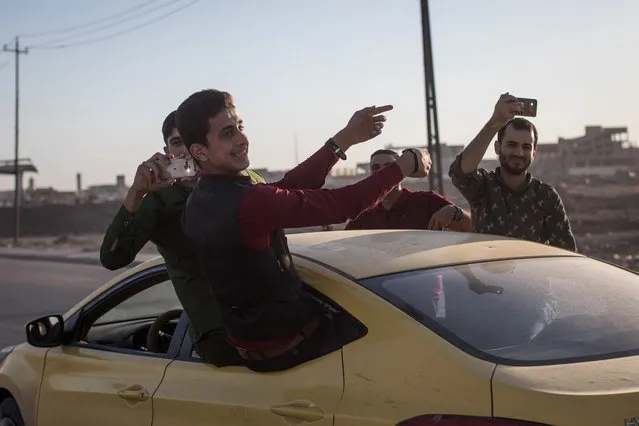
(237,228)
(151,212)
(509,201)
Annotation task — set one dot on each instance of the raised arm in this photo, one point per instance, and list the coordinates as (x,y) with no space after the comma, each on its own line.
(266,208)
(505,110)
(127,234)
(135,222)
(365,124)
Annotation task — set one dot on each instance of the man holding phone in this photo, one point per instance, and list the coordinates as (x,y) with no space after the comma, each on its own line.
(509,201)
(151,212)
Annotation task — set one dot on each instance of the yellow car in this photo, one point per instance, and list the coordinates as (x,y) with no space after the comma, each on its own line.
(436,329)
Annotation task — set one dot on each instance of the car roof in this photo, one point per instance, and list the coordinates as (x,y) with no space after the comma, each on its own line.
(364,254)
(368,253)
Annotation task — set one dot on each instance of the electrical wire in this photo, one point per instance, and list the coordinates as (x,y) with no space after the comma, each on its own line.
(2,51)
(87,24)
(104,27)
(110,36)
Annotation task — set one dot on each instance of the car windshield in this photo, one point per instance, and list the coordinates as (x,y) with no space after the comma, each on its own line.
(150,303)
(524,311)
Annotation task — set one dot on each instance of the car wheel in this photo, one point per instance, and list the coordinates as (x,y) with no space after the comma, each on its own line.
(10,413)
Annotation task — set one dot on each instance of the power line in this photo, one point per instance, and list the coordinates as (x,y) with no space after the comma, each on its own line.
(6,44)
(104,27)
(4,64)
(107,37)
(87,24)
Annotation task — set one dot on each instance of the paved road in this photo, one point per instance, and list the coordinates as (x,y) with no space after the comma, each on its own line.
(29,289)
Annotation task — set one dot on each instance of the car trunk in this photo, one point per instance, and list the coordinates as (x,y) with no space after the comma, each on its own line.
(598,393)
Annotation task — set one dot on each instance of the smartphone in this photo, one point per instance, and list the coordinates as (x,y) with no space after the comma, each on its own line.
(530,107)
(181,167)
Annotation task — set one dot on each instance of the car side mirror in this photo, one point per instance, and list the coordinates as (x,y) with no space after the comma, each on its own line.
(45,332)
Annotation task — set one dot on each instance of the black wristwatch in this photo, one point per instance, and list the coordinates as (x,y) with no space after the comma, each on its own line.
(335,149)
(459,214)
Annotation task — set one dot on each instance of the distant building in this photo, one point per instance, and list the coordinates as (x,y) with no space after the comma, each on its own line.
(103,193)
(601,151)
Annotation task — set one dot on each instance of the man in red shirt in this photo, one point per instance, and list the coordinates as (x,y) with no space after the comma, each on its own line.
(236,228)
(406,209)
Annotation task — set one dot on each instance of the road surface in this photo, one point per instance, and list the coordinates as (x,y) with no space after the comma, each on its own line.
(29,289)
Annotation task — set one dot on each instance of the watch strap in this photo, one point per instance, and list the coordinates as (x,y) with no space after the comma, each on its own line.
(459,214)
(330,144)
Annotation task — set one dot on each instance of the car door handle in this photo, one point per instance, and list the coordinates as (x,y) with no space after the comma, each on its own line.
(134,393)
(300,410)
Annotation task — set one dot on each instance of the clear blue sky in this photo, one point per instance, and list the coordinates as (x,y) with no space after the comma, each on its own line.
(304,66)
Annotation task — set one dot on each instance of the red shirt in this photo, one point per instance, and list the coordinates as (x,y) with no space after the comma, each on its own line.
(412,210)
(296,201)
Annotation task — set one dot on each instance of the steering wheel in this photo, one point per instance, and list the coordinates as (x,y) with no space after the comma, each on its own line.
(155,334)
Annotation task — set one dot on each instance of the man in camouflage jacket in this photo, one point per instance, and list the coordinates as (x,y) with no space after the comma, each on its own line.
(509,201)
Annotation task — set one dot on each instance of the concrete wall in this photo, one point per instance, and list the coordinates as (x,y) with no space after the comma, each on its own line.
(53,220)
(58,219)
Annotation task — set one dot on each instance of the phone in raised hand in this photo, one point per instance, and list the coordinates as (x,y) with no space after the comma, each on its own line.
(180,167)
(530,107)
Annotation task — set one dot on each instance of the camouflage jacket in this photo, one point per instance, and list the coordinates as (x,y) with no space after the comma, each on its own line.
(534,213)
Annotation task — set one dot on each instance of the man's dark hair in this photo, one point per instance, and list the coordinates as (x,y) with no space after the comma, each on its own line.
(384,152)
(192,116)
(519,123)
(168,126)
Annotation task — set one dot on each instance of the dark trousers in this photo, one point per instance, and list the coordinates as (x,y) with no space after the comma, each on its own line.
(314,346)
(214,348)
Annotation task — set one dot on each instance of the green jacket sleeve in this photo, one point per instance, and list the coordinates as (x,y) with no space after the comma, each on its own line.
(128,233)
(255,177)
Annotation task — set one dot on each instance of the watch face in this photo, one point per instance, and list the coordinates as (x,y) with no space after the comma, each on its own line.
(459,214)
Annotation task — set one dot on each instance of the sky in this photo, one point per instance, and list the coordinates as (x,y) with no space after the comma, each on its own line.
(301,67)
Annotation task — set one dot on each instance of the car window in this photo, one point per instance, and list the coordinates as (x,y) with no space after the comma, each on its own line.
(149,303)
(526,310)
(344,329)
(140,315)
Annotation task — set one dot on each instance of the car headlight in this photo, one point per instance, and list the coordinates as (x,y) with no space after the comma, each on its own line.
(5,351)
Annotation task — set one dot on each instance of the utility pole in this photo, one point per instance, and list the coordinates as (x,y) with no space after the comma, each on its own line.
(18,187)
(431,104)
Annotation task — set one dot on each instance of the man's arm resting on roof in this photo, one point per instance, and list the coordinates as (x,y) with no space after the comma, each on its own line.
(463,225)
(129,231)
(441,212)
(266,208)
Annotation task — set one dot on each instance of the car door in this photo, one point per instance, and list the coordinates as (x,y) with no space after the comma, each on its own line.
(102,379)
(196,393)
